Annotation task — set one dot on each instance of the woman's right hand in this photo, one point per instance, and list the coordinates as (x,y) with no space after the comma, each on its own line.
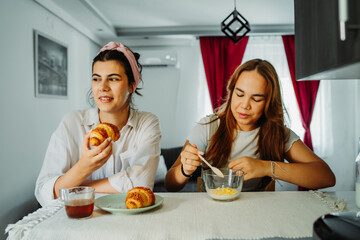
(190,159)
(93,159)
(90,160)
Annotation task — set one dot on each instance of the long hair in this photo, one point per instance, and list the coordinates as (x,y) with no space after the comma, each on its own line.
(108,55)
(272,133)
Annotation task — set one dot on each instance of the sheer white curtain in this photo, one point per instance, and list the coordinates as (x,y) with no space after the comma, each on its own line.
(321,123)
(334,129)
(271,48)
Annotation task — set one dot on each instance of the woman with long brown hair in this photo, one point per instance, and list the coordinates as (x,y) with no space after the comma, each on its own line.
(247,133)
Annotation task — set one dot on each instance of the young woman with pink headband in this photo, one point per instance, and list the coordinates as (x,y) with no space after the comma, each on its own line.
(111,167)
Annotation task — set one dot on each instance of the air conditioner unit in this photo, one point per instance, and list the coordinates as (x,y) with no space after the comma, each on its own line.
(158,58)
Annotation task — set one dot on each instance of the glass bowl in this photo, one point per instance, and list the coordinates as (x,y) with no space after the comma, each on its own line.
(226,188)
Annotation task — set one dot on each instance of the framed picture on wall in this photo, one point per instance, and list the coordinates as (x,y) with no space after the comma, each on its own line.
(51,67)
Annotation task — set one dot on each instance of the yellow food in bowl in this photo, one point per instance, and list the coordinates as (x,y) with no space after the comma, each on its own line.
(223,191)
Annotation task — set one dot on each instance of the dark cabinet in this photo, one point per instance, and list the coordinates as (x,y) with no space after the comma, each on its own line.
(319,51)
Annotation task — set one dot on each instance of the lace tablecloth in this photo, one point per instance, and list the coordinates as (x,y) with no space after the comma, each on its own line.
(254,215)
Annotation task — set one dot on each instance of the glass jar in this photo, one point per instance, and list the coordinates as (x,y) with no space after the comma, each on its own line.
(357,178)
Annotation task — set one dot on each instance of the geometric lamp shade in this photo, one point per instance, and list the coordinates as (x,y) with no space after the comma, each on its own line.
(234,25)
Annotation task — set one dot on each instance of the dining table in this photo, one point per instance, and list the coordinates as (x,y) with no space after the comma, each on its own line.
(193,215)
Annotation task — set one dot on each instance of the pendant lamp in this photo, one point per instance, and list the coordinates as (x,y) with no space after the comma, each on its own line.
(235,26)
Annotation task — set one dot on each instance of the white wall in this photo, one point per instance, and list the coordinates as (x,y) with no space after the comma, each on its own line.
(177,95)
(26,122)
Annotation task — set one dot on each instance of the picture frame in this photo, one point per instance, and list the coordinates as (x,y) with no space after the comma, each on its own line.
(51,67)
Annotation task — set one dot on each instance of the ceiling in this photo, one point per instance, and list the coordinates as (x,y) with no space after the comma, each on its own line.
(102,20)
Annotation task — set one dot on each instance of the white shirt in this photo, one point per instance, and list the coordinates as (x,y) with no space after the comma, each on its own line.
(245,144)
(134,159)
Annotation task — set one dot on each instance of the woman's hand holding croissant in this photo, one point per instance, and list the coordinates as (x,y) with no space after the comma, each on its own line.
(93,159)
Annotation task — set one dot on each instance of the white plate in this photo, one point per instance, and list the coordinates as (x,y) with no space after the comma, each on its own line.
(115,203)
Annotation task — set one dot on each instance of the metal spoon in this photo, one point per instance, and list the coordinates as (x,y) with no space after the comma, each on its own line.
(214,169)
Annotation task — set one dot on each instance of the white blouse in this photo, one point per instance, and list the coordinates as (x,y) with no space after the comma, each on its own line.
(134,159)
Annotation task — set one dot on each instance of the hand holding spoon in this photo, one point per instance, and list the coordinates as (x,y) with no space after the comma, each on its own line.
(214,169)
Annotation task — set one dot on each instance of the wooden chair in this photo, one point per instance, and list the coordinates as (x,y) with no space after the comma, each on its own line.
(198,180)
(270,186)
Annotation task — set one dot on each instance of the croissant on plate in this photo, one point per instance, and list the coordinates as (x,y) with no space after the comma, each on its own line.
(102,132)
(139,197)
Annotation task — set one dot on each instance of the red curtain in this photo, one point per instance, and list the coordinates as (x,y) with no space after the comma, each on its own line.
(305,91)
(221,57)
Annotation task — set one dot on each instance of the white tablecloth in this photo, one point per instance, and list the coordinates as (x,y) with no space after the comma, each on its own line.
(254,215)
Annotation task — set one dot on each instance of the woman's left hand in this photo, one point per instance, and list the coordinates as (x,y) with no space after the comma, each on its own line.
(252,168)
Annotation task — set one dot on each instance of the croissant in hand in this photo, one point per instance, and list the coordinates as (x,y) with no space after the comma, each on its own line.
(102,132)
(139,197)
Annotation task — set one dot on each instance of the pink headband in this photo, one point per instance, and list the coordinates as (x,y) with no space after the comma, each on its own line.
(128,54)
